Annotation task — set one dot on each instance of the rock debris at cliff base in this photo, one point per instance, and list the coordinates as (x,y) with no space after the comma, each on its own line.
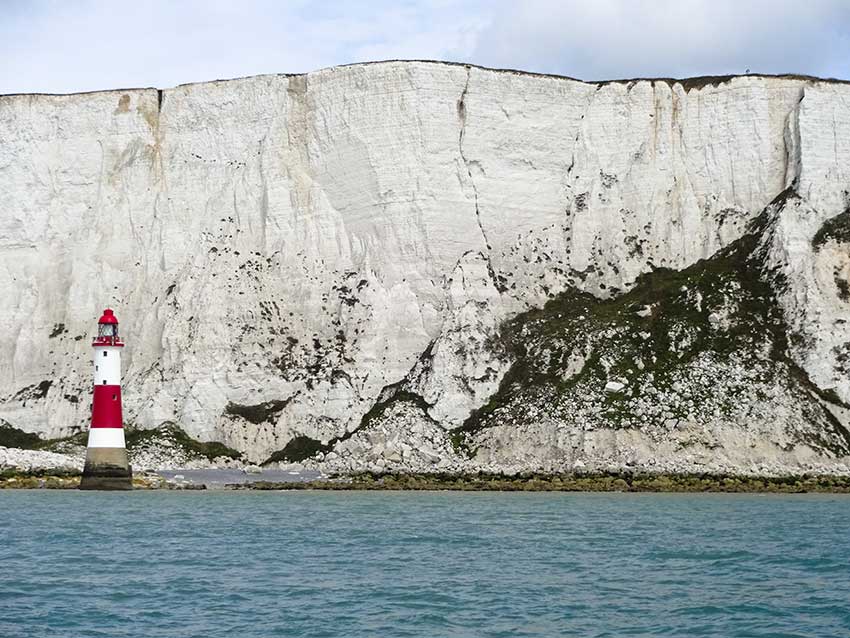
(341,257)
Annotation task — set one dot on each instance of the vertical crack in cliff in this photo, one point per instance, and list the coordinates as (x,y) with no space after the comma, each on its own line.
(791,144)
(160,177)
(578,140)
(264,192)
(297,160)
(461,111)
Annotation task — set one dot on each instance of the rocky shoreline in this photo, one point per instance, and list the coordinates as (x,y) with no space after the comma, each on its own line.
(168,461)
(476,482)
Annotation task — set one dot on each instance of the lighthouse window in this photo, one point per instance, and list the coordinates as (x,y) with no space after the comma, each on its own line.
(104,382)
(114,397)
(104,353)
(107,330)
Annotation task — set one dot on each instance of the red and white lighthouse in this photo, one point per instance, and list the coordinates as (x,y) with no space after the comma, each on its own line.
(107,467)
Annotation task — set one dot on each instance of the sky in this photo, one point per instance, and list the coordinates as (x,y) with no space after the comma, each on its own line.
(64,46)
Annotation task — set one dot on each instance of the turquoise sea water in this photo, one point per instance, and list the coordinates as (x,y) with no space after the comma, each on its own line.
(256,564)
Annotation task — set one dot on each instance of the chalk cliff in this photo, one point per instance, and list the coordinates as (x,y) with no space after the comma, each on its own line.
(424,264)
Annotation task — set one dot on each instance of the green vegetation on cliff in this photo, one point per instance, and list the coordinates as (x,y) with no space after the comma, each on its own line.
(13,437)
(836,228)
(168,433)
(707,344)
(171,434)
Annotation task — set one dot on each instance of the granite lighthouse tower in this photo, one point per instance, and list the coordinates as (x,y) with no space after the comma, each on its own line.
(107,467)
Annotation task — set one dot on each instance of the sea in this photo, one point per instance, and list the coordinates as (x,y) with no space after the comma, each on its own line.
(247,564)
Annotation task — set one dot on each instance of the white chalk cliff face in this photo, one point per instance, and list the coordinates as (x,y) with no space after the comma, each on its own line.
(290,254)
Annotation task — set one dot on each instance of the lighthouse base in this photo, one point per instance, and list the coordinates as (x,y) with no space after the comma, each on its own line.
(107,469)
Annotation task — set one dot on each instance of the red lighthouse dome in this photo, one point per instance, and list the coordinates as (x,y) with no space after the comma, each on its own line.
(107,330)
(108,317)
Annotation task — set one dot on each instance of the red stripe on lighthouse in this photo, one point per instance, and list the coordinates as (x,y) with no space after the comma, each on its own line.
(106,407)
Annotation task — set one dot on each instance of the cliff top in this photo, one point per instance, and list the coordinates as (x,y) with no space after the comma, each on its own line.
(696,82)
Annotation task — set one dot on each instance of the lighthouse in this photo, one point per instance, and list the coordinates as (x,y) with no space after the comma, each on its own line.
(107,467)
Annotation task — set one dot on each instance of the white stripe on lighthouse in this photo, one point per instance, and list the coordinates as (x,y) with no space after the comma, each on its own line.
(107,369)
(106,437)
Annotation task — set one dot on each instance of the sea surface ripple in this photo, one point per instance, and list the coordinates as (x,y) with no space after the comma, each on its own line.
(258,564)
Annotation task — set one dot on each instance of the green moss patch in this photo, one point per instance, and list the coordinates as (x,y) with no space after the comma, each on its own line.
(259,413)
(298,449)
(837,229)
(13,437)
(173,434)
